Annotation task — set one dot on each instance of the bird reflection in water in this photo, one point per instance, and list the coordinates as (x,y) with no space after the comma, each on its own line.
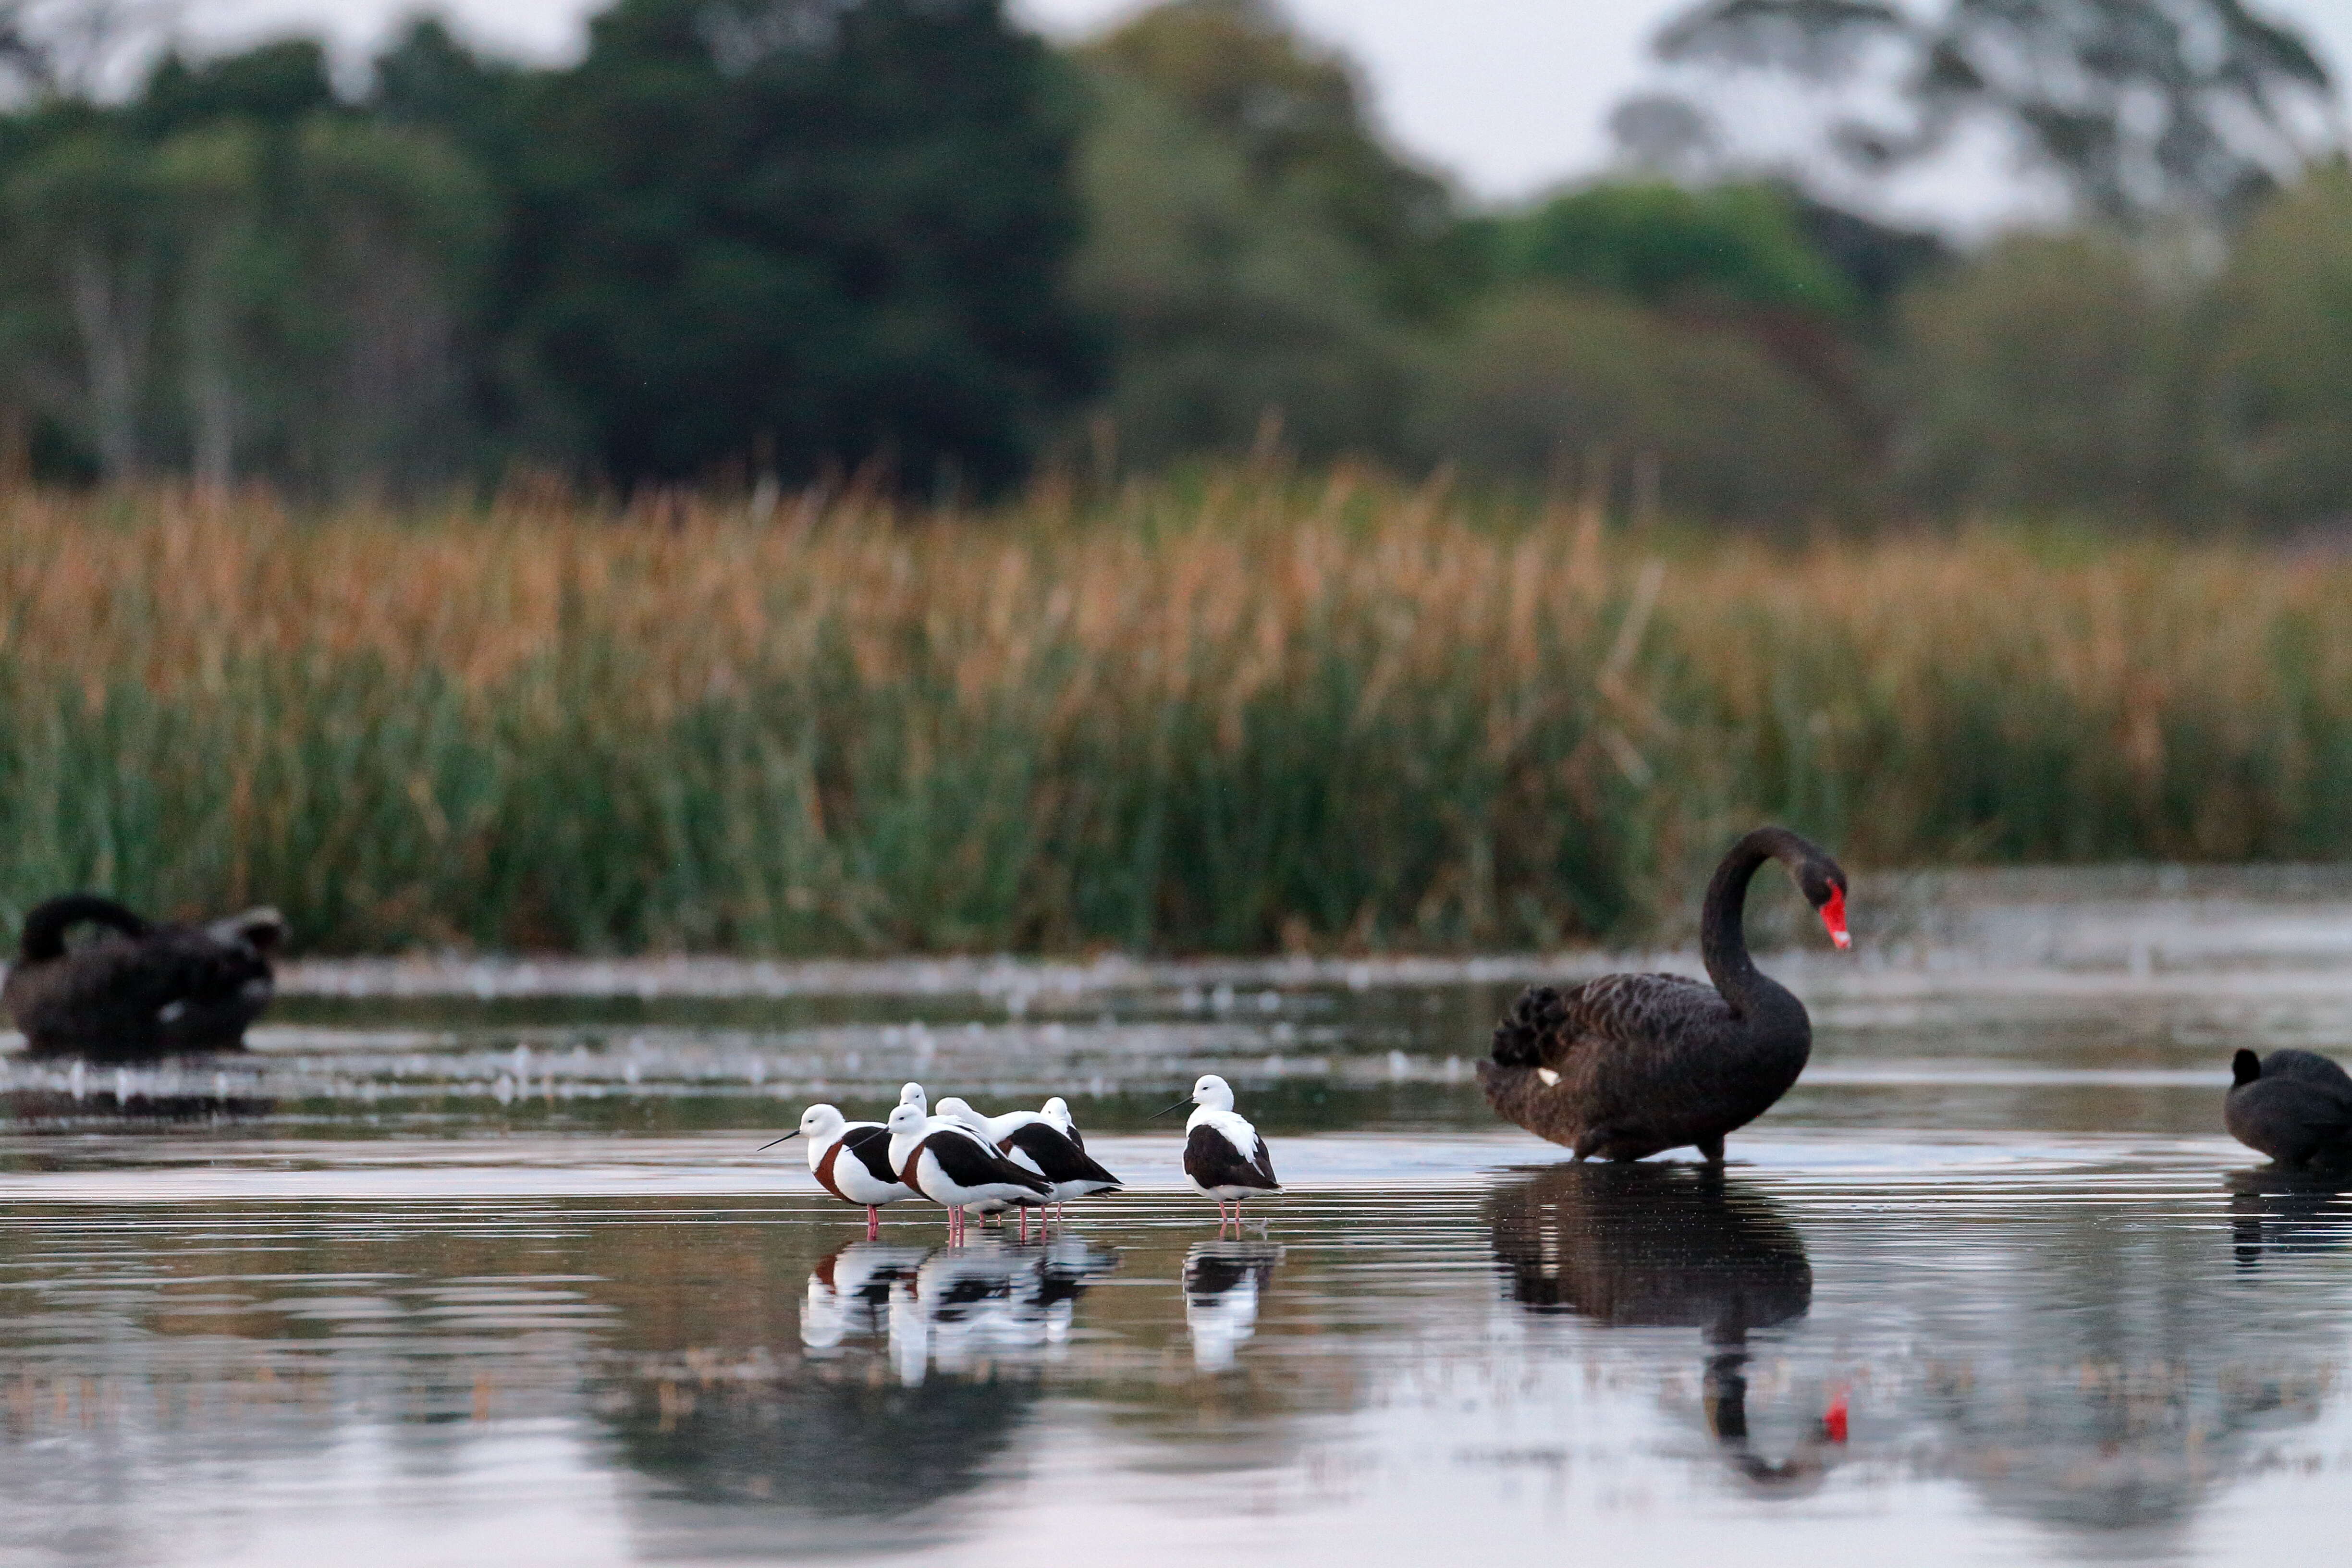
(943,1307)
(2283,1213)
(849,1291)
(1222,1281)
(1671,1247)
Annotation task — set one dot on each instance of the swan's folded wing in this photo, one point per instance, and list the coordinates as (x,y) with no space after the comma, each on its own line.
(114,977)
(1637,1007)
(2326,1110)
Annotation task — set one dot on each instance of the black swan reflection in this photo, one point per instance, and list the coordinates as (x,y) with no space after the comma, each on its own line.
(2284,1212)
(1669,1246)
(1222,1282)
(810,1463)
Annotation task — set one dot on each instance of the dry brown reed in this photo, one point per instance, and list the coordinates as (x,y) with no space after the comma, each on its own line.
(1263,710)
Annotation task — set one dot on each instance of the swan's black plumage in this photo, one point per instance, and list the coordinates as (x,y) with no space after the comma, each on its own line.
(2294,1106)
(1628,1065)
(141,989)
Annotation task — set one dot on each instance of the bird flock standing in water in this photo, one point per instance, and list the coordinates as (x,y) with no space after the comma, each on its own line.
(969,1164)
(1619,1067)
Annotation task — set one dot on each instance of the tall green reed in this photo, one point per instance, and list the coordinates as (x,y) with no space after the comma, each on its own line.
(1268,711)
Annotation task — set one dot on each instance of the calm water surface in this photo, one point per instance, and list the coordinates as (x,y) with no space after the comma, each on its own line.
(499,1278)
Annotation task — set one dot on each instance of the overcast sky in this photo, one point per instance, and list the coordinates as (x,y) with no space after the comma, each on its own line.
(1509,96)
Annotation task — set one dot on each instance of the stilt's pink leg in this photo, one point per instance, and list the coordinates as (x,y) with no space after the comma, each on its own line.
(873,1222)
(1025,1224)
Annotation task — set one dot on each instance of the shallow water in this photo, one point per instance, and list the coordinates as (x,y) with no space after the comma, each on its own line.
(494,1275)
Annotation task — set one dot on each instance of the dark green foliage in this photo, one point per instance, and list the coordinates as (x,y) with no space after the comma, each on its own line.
(831,234)
(1264,262)
(1737,246)
(1878,261)
(782,235)
(274,83)
(2055,374)
(2279,388)
(1295,118)
(1225,307)
(1544,379)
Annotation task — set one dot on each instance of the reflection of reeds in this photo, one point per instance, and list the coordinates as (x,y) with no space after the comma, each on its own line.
(1259,711)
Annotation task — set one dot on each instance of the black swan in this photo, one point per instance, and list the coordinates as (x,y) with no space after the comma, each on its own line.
(143,989)
(2294,1106)
(1627,1065)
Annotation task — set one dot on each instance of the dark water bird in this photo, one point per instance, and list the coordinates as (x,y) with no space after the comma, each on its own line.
(1672,1246)
(2294,1106)
(1628,1065)
(851,1159)
(1224,1158)
(953,1167)
(141,989)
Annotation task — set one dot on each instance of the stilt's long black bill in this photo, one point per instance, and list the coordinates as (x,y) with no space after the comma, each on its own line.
(1178,1106)
(785,1139)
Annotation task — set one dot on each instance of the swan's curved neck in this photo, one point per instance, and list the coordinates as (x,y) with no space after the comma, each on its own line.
(44,930)
(1723,934)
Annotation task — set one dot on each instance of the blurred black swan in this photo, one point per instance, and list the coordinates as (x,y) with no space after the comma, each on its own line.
(1628,1065)
(140,989)
(2294,1106)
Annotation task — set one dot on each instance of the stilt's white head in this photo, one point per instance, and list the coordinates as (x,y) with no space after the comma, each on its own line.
(1057,1111)
(1212,1092)
(821,1123)
(955,1109)
(912,1094)
(907,1121)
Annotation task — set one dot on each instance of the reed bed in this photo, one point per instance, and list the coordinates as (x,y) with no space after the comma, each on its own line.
(1257,712)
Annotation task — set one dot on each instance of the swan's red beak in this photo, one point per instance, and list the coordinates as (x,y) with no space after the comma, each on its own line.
(1834,917)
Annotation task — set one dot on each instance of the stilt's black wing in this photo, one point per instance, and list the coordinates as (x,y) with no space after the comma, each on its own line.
(868,1143)
(1211,1159)
(1060,1158)
(1264,1164)
(969,1163)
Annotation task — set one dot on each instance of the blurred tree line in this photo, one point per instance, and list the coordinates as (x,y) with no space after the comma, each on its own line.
(743,238)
